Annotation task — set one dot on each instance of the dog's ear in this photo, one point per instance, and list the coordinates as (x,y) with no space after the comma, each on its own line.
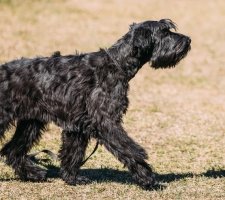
(142,37)
(132,26)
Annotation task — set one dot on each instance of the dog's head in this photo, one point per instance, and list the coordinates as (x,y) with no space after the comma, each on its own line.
(156,42)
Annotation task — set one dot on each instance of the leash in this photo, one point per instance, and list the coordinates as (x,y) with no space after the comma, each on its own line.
(54,156)
(110,56)
(94,150)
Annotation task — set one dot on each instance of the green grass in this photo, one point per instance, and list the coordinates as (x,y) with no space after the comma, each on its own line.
(176,114)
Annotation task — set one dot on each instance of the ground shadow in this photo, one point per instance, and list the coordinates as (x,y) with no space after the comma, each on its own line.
(113,175)
(171,177)
(124,177)
(214,173)
(95,175)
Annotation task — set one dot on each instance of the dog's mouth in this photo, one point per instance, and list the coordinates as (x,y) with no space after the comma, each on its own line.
(183,49)
(168,58)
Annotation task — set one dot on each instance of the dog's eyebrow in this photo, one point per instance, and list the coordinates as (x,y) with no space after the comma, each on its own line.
(168,24)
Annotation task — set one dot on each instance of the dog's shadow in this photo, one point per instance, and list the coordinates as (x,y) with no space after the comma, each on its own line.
(95,175)
(124,177)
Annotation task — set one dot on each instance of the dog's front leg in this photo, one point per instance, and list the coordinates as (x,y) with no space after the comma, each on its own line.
(72,154)
(133,156)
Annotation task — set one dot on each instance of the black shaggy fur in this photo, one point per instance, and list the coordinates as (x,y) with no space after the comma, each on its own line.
(86,95)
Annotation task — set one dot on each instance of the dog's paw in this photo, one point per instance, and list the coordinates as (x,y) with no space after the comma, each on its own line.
(82,180)
(78,180)
(34,174)
(148,182)
(153,186)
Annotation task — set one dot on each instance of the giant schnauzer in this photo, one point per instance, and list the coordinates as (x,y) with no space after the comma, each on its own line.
(86,95)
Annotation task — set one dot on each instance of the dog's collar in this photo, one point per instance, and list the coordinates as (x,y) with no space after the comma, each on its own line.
(111,57)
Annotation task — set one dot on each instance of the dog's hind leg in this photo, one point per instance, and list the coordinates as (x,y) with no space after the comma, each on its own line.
(28,133)
(133,156)
(72,153)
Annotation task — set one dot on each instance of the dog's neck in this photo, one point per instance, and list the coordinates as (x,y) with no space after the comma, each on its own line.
(124,57)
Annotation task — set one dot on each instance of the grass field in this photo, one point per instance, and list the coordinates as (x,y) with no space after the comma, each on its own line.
(178,114)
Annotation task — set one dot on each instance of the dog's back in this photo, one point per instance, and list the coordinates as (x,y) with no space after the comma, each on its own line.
(46,88)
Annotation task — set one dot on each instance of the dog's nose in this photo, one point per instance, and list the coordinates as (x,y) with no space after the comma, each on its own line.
(189,40)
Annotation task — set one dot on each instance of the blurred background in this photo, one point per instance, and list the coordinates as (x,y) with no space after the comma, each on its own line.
(177,114)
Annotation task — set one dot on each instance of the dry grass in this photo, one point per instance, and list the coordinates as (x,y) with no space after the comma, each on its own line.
(177,115)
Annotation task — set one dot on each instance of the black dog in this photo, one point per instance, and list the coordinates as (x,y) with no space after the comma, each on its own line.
(86,95)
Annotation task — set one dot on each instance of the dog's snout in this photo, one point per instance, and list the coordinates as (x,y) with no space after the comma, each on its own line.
(189,40)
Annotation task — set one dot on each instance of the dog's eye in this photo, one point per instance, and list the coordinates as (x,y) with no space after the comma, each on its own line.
(165,32)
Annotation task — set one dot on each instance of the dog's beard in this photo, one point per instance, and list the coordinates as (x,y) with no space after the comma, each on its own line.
(166,57)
